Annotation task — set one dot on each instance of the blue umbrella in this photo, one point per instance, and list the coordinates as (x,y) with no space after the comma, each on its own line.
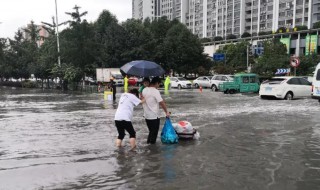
(142,68)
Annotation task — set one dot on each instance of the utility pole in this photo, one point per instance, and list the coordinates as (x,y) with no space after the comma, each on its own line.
(57,28)
(247,58)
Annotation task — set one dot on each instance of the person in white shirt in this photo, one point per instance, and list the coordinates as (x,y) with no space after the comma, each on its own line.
(153,99)
(124,114)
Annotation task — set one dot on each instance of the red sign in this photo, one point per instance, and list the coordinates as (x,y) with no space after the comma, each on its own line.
(294,62)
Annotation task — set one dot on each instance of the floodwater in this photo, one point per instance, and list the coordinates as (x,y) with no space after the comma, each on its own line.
(55,140)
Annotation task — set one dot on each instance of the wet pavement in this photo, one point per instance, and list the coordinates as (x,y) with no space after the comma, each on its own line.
(55,140)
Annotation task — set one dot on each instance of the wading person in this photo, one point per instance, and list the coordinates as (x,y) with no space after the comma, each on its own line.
(125,86)
(145,83)
(151,110)
(167,83)
(124,114)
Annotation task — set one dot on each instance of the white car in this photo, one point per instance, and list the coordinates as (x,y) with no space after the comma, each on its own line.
(216,80)
(285,88)
(202,81)
(316,83)
(179,82)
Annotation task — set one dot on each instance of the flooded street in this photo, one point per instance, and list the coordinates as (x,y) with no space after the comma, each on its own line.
(55,140)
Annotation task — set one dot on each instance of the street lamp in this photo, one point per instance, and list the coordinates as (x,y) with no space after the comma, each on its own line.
(57,25)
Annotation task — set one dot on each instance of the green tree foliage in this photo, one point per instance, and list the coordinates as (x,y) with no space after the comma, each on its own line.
(137,40)
(298,28)
(236,58)
(274,57)
(77,43)
(217,38)
(316,25)
(183,51)
(231,36)
(245,35)
(307,64)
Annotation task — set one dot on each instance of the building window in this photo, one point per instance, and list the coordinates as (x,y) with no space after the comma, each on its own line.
(299,11)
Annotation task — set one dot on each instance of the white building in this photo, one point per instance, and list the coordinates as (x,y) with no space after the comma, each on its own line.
(209,18)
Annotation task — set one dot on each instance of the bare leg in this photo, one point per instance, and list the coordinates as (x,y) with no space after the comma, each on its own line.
(133,143)
(118,142)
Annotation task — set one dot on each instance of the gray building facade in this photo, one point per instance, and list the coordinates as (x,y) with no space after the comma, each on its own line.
(210,18)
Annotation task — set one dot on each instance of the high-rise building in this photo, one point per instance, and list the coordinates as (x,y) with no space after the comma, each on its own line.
(209,18)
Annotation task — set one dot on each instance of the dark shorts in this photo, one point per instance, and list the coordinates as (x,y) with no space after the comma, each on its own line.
(123,126)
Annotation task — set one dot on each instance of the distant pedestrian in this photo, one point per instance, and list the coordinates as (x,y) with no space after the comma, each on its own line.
(123,116)
(113,88)
(153,99)
(125,83)
(167,83)
(145,83)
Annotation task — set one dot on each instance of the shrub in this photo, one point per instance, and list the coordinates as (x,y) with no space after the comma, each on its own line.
(231,36)
(217,38)
(245,35)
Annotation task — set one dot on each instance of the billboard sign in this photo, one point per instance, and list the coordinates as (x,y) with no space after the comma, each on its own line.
(311,44)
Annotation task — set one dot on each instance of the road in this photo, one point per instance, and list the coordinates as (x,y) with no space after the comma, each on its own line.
(55,140)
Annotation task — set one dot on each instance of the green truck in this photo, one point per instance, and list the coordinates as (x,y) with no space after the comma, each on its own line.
(243,83)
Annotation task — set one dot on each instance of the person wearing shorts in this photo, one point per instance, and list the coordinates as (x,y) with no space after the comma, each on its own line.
(123,116)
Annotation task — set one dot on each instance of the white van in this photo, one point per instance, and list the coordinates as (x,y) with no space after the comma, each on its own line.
(316,83)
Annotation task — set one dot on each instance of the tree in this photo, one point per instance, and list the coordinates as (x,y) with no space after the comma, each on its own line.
(46,61)
(298,28)
(217,38)
(236,55)
(76,16)
(274,57)
(139,42)
(183,50)
(231,36)
(245,35)
(316,25)
(307,64)
(3,51)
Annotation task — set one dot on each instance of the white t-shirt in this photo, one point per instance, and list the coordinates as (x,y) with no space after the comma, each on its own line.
(125,108)
(151,106)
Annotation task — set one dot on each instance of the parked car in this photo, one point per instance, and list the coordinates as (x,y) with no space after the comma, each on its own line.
(203,81)
(179,82)
(216,80)
(244,83)
(316,83)
(285,88)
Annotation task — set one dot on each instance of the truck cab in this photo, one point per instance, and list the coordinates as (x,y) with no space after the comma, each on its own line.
(243,83)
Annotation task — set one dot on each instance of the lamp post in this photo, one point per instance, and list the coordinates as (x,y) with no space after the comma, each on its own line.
(57,28)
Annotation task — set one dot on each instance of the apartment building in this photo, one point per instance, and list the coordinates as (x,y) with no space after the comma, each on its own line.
(209,18)
(142,9)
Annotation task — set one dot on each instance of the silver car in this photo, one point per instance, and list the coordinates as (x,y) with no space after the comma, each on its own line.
(203,81)
(218,79)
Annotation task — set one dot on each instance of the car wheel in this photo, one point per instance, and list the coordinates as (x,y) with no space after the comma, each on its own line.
(196,85)
(179,86)
(214,88)
(289,96)
(226,91)
(232,91)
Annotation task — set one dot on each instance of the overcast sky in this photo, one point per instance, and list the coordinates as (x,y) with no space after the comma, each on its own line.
(18,13)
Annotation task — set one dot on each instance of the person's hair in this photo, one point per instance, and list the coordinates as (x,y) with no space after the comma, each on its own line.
(146,79)
(135,92)
(155,80)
